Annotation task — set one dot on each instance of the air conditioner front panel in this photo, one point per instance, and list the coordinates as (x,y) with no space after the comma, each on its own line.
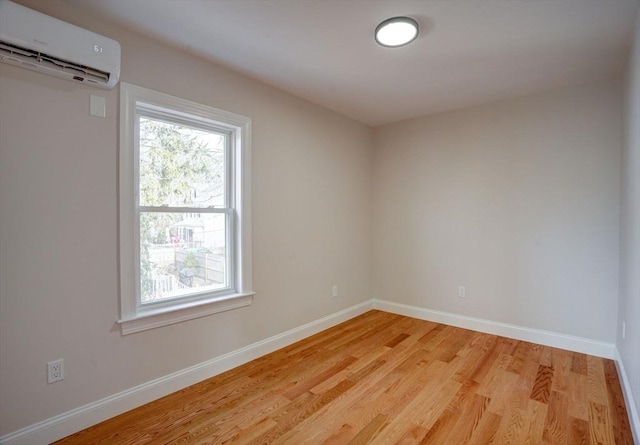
(25,34)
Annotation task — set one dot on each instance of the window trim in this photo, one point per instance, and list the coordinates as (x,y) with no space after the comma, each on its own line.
(133,316)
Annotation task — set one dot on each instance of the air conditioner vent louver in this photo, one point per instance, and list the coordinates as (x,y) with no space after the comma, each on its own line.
(35,59)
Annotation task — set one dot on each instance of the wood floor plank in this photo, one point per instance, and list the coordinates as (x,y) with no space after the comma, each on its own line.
(596,381)
(493,379)
(382,378)
(442,427)
(562,370)
(542,386)
(487,429)
(524,384)
(343,435)
(305,385)
(536,418)
(546,355)
(619,417)
(367,433)
(578,431)
(600,429)
(491,352)
(252,432)
(470,419)
(578,402)
(467,391)
(502,399)
(579,363)
(512,427)
(518,358)
(556,424)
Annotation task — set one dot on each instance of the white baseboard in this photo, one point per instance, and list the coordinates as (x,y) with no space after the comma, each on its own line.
(83,417)
(547,338)
(634,417)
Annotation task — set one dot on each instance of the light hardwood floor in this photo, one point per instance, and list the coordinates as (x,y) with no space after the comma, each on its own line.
(386,379)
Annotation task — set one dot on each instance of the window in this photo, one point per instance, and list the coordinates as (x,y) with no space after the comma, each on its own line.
(185,246)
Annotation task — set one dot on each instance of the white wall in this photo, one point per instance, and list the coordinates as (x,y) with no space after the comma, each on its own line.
(629,306)
(518,201)
(58,235)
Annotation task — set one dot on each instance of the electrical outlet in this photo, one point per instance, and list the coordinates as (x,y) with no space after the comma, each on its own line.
(55,371)
(335,291)
(462,292)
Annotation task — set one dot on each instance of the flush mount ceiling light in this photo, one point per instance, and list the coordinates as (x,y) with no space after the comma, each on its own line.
(396,31)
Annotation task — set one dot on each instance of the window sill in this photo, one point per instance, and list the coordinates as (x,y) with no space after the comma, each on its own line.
(150,319)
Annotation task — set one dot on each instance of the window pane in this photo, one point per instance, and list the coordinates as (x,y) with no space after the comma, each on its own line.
(181,254)
(181,166)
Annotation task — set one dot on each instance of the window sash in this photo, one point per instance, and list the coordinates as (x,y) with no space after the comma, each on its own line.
(174,116)
(187,120)
(165,115)
(230,270)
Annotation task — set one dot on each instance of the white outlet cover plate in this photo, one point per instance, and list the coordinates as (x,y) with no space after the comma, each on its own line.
(55,371)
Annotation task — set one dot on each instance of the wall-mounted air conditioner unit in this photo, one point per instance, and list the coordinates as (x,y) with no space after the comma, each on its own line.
(37,42)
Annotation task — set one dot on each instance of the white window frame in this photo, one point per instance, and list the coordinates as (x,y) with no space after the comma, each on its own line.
(134,316)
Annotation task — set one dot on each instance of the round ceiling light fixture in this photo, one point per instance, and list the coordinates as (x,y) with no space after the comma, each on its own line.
(396,31)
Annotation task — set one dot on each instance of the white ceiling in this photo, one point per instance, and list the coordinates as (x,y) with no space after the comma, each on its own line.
(469,51)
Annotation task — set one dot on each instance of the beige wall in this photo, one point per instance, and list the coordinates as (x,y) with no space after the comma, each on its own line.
(629,309)
(518,201)
(58,201)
